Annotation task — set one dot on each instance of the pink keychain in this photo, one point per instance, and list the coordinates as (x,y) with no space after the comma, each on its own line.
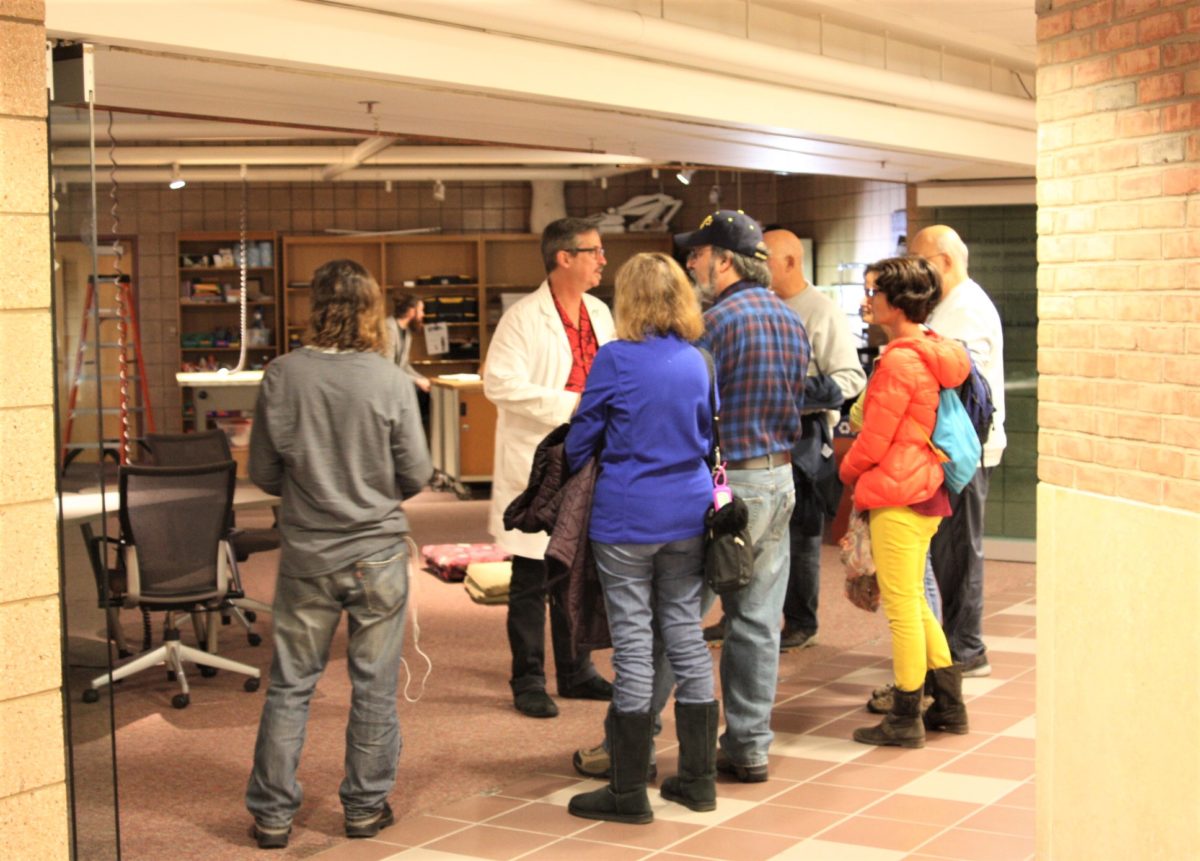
(722,495)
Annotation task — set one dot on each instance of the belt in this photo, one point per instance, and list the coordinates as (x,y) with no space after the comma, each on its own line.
(764,461)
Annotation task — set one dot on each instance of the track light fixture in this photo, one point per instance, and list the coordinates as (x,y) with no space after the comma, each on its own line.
(439,190)
(177,182)
(685,175)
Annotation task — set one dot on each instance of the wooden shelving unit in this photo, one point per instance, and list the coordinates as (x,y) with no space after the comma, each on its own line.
(209,320)
(483,267)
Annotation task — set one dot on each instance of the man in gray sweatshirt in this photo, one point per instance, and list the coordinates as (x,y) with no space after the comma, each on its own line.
(338,436)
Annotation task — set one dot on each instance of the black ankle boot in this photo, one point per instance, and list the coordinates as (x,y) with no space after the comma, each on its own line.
(695,787)
(948,712)
(901,727)
(625,798)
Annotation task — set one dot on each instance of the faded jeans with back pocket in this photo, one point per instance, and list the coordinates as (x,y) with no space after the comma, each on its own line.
(374,594)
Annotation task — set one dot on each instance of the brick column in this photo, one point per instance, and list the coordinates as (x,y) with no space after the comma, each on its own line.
(1119,416)
(33,798)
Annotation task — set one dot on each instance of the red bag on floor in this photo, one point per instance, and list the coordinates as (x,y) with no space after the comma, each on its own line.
(450,561)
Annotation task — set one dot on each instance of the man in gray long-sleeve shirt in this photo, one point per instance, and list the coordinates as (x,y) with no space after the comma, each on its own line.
(338,436)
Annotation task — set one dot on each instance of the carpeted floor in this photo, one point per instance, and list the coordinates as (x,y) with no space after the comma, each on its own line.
(182,773)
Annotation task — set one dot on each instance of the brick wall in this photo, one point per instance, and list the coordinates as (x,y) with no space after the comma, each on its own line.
(1119,249)
(33,797)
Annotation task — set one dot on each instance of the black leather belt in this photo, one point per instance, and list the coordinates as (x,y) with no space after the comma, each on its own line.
(765,461)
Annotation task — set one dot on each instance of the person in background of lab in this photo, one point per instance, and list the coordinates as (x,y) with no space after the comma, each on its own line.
(537,364)
(646,415)
(406,322)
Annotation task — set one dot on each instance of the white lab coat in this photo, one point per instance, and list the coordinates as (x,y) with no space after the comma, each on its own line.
(528,362)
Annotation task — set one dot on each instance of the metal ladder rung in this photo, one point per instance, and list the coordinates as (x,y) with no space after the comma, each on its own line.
(108,443)
(91,378)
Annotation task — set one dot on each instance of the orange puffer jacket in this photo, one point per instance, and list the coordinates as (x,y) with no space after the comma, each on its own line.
(891,462)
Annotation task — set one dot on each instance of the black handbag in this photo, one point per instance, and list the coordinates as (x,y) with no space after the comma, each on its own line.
(728,550)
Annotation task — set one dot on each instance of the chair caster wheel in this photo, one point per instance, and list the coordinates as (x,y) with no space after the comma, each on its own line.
(254,639)
(180,701)
(91,695)
(208,672)
(250,685)
(250,615)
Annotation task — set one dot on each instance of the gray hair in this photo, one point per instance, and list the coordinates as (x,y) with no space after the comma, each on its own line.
(747,268)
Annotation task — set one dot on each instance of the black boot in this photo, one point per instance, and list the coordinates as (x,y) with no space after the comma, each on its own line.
(625,798)
(901,727)
(948,712)
(695,787)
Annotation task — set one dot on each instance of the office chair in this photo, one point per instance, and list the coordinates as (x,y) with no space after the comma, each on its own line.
(187,449)
(171,556)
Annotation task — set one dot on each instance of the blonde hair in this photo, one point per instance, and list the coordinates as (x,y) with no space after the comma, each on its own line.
(655,297)
(348,311)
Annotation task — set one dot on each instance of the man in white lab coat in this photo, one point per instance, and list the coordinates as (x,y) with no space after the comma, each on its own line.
(537,364)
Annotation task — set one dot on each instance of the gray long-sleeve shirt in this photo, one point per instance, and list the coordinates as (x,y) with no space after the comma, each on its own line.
(338,436)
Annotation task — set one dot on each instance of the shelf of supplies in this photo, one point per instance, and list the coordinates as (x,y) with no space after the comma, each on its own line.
(189,303)
(210,269)
(471,286)
(224,349)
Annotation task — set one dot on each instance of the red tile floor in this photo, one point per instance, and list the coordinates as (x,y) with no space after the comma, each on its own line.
(961,798)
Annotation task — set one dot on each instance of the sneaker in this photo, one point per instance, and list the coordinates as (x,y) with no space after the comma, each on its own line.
(535,704)
(741,773)
(794,638)
(976,667)
(270,838)
(594,688)
(715,634)
(595,762)
(369,826)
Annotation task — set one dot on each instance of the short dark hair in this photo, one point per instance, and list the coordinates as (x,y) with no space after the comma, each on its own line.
(911,284)
(560,235)
(403,303)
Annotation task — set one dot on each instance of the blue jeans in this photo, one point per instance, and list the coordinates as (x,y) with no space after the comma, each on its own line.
(957,553)
(651,588)
(750,653)
(374,593)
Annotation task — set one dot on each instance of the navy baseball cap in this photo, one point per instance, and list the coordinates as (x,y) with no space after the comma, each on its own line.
(729,229)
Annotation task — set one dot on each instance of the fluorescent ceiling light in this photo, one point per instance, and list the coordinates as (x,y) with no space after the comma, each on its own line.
(685,175)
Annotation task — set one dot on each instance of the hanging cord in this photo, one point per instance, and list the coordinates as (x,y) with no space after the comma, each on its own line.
(118,251)
(241,365)
(413,555)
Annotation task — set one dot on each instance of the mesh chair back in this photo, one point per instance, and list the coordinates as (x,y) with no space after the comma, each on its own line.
(189,449)
(176,516)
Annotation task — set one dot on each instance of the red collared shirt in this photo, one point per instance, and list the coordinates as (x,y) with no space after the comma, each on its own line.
(583,345)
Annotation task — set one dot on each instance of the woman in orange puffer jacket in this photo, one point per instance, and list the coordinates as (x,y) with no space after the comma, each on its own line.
(898,483)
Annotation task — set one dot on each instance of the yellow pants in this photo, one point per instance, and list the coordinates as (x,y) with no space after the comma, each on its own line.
(899,543)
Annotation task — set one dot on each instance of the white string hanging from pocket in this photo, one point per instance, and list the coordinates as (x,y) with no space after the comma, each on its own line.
(413,555)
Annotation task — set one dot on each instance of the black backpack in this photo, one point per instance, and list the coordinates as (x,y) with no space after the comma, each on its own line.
(976,397)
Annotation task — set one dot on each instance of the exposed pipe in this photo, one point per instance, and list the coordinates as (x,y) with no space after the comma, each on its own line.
(262,154)
(361,153)
(361,174)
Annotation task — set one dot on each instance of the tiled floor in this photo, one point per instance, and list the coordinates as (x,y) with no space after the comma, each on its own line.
(964,798)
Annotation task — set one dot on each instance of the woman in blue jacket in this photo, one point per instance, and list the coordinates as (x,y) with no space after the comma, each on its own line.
(646,415)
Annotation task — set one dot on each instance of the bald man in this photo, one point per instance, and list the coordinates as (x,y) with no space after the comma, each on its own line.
(967,314)
(835,357)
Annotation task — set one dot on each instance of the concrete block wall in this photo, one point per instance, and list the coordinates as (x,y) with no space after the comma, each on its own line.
(33,791)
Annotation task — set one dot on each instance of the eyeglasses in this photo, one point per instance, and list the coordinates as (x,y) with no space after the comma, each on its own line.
(870,291)
(596,250)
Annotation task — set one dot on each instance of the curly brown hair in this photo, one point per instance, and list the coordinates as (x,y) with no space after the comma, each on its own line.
(348,312)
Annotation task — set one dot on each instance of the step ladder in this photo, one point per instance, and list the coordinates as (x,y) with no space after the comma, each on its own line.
(126,337)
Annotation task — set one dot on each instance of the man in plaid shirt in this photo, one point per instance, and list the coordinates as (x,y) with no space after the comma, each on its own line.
(761,353)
